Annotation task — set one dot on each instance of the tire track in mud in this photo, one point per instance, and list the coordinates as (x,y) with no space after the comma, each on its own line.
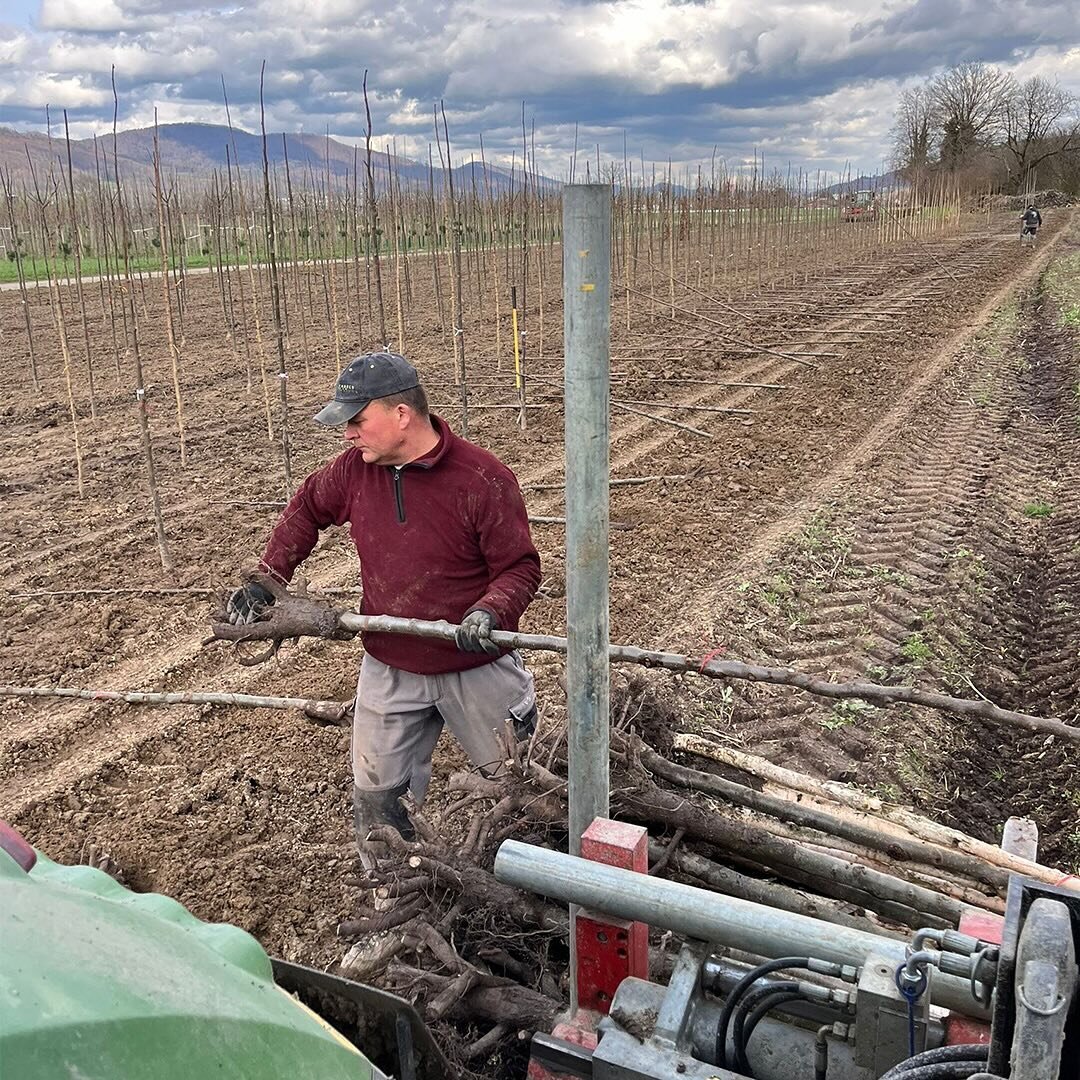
(961,572)
(930,280)
(701,607)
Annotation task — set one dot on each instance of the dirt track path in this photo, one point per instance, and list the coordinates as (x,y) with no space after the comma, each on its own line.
(854,460)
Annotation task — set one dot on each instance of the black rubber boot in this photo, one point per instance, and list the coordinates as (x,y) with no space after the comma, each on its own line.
(383,807)
(525,725)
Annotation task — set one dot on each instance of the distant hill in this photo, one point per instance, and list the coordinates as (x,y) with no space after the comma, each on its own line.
(198,150)
(889,179)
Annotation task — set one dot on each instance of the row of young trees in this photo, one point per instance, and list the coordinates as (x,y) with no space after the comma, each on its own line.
(300,268)
(990,130)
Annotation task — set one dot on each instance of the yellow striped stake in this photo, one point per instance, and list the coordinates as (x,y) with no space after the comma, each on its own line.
(517,338)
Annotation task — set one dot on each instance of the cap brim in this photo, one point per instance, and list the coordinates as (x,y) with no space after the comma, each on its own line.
(336,413)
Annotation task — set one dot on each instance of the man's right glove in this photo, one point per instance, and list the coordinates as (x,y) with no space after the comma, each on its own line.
(474,633)
(248,602)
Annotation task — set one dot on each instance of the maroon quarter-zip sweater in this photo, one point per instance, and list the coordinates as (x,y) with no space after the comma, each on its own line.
(436,538)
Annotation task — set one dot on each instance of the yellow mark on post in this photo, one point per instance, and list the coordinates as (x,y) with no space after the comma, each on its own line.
(588,287)
(583,252)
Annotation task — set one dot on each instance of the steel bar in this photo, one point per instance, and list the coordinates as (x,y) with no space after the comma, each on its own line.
(587,386)
(705,916)
(587,336)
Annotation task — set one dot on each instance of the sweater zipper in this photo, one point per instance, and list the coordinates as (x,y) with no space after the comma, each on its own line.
(399,495)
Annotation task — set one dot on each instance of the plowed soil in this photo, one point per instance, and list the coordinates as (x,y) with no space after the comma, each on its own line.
(873,516)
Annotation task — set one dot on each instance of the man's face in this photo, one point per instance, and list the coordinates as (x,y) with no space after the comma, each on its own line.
(378,432)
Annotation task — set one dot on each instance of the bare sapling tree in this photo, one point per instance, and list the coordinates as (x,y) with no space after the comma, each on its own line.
(217,214)
(436,280)
(394,213)
(454,215)
(43,201)
(374,240)
(355,232)
(541,250)
(496,289)
(523,413)
(249,244)
(236,222)
(294,258)
(164,248)
(275,297)
(105,276)
(140,386)
(330,263)
(76,245)
(16,247)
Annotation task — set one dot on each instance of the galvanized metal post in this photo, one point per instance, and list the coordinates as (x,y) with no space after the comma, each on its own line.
(587,340)
(587,394)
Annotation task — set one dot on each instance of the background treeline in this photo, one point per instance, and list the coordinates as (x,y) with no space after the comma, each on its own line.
(989,131)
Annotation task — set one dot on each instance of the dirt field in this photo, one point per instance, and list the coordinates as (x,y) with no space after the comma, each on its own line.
(907,509)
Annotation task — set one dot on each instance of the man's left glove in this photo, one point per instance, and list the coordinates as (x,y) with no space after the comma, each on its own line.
(474,633)
(248,602)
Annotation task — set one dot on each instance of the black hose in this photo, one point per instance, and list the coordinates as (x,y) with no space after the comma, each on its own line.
(943,1070)
(749,1001)
(739,989)
(942,1063)
(766,1003)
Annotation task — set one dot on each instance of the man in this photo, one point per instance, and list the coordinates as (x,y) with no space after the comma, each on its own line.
(1030,221)
(441,532)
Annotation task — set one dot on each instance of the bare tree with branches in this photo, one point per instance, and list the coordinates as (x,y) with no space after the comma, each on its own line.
(914,132)
(1040,121)
(970,101)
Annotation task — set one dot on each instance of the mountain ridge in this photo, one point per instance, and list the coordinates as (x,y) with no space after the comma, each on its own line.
(198,150)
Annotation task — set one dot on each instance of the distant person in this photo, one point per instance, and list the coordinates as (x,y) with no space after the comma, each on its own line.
(1030,221)
(441,531)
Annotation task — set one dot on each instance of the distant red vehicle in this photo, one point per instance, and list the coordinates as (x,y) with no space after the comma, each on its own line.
(861,206)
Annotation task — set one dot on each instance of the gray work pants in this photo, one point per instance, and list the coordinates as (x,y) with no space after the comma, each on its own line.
(399,716)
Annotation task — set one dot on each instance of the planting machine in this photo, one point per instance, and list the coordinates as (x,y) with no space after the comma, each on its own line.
(101,982)
(760,992)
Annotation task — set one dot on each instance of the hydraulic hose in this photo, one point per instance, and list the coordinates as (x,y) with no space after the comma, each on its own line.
(943,1070)
(943,1063)
(752,1015)
(737,991)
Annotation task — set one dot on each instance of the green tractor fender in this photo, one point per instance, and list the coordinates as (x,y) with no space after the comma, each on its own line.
(101,983)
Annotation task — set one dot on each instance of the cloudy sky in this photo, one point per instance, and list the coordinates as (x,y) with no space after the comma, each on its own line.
(813,84)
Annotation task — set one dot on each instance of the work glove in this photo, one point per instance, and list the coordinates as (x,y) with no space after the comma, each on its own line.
(474,633)
(248,602)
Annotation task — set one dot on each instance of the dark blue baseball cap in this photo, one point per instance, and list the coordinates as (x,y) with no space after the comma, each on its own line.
(375,375)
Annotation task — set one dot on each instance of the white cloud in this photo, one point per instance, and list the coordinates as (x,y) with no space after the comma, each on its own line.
(14,47)
(95,16)
(153,59)
(40,90)
(813,81)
